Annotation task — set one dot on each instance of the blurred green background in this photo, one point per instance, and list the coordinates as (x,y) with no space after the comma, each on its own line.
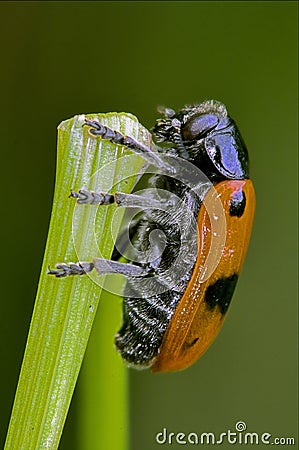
(59,59)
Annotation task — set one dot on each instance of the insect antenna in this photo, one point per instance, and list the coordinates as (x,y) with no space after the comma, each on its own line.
(177,139)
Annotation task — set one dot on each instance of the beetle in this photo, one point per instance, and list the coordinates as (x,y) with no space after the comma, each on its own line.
(171,316)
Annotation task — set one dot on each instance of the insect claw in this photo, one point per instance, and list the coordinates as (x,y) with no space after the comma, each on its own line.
(74,195)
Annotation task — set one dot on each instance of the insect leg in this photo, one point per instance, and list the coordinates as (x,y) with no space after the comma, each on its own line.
(98,129)
(65,269)
(124,238)
(103,266)
(85,197)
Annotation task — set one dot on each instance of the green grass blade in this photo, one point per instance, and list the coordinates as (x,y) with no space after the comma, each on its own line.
(65,308)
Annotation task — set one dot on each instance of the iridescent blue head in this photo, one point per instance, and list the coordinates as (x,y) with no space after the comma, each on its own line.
(207,136)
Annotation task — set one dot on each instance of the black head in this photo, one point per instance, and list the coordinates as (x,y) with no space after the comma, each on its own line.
(206,135)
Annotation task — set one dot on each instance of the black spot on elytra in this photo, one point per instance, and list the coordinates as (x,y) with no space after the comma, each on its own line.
(237,203)
(190,344)
(194,342)
(220,293)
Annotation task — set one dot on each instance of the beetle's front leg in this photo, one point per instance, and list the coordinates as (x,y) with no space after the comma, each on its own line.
(98,129)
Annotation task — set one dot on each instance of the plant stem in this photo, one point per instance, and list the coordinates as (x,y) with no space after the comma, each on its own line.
(65,308)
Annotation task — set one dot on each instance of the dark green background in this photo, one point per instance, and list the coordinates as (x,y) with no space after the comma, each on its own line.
(60,59)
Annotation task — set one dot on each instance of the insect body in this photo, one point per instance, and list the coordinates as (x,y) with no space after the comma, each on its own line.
(175,301)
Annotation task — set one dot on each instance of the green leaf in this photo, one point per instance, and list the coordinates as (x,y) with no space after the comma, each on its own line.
(65,308)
